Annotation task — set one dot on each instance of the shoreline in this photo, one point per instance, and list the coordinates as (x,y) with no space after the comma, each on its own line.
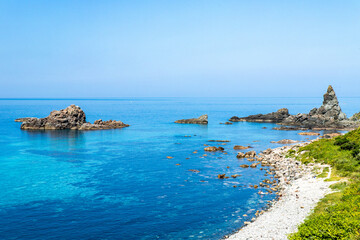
(299,191)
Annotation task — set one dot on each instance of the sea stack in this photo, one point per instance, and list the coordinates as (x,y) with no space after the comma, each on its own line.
(328,116)
(72,117)
(203,119)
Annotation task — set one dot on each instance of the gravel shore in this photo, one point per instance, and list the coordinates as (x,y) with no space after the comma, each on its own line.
(299,193)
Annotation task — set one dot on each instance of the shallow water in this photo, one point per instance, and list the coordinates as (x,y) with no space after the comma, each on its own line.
(119,184)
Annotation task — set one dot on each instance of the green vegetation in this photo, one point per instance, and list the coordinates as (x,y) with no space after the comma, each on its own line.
(337,216)
(355,117)
(324,173)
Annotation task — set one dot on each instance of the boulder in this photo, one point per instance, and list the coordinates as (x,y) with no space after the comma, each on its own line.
(244,166)
(254,165)
(203,119)
(72,117)
(221,176)
(250,154)
(240,155)
(213,149)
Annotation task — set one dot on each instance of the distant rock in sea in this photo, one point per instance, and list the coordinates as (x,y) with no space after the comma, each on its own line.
(72,117)
(203,119)
(274,117)
(328,116)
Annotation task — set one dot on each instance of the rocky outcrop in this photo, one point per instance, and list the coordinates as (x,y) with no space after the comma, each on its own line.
(213,149)
(72,117)
(328,116)
(274,117)
(203,119)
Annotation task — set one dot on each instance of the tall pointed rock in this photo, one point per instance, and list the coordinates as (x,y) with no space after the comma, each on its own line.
(330,107)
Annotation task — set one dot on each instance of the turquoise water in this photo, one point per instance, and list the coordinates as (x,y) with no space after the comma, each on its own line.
(119,184)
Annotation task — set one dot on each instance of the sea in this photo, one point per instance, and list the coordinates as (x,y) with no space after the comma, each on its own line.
(120,184)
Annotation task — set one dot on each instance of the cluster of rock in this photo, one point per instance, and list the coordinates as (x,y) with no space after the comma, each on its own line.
(203,119)
(284,169)
(328,116)
(250,154)
(72,117)
(213,149)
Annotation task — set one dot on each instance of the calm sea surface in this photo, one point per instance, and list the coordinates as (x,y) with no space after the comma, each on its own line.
(119,184)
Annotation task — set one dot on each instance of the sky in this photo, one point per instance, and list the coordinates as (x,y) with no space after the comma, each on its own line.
(183,48)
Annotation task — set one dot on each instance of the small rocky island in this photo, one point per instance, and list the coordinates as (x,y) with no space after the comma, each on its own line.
(203,119)
(328,116)
(72,117)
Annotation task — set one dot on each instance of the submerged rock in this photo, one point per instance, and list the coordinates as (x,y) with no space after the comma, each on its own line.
(203,119)
(72,117)
(218,141)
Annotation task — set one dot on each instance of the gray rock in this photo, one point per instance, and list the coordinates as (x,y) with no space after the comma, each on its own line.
(72,117)
(203,119)
(274,117)
(328,116)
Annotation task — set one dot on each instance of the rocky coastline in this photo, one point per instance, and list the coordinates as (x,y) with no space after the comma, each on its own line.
(328,117)
(298,192)
(72,117)
(203,119)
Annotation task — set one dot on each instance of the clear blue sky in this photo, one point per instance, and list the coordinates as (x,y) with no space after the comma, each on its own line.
(179,48)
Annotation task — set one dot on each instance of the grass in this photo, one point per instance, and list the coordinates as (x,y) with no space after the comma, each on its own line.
(325,173)
(337,215)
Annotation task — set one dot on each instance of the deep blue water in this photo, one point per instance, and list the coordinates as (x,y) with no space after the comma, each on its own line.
(118,184)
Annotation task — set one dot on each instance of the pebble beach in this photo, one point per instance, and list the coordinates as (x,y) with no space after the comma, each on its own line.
(299,192)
